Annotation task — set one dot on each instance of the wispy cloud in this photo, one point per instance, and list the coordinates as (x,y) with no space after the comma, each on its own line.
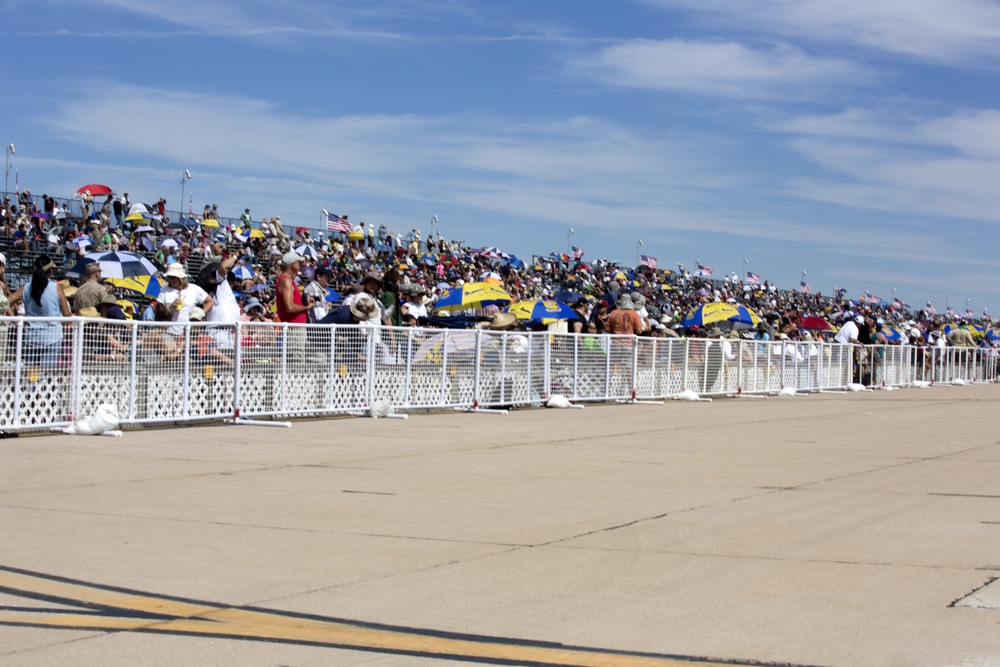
(891,162)
(947,31)
(715,67)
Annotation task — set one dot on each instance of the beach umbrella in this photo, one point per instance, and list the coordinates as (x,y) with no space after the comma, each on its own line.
(142,229)
(81,242)
(210,223)
(494,253)
(816,324)
(712,313)
(332,295)
(472,295)
(892,334)
(136,217)
(256,234)
(94,190)
(306,251)
(243,273)
(169,243)
(141,285)
(993,334)
(429,258)
(138,208)
(356,236)
(491,277)
(540,312)
(40,215)
(115,264)
(566,296)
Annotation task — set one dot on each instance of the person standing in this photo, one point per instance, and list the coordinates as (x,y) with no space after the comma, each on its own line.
(181,296)
(317,289)
(43,297)
(292,306)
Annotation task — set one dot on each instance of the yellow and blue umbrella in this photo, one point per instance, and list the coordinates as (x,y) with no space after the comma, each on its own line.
(472,295)
(892,334)
(541,312)
(993,334)
(142,285)
(711,313)
(210,222)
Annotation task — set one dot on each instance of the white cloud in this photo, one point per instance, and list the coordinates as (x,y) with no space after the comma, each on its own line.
(886,161)
(949,31)
(714,67)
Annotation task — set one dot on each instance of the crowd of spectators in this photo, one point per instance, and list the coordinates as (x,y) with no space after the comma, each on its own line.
(224,270)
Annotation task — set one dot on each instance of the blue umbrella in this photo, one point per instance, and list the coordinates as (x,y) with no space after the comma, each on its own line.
(541,312)
(567,296)
(714,312)
(258,288)
(891,334)
(332,295)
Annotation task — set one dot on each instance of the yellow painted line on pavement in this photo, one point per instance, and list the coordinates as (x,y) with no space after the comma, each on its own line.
(104,608)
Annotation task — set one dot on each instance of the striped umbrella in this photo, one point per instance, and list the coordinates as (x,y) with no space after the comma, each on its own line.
(540,312)
(115,264)
(472,295)
(243,273)
(306,251)
(712,313)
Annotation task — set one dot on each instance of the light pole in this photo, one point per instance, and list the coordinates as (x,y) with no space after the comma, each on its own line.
(802,282)
(6,178)
(637,246)
(184,178)
(746,269)
(569,248)
(967,302)
(434,220)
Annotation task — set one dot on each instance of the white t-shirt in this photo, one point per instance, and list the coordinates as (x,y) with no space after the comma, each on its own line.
(192,296)
(847,332)
(225,310)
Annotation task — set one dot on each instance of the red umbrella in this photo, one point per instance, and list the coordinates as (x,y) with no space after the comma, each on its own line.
(95,190)
(816,323)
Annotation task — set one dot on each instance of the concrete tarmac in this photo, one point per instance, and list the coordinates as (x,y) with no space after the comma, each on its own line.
(857,529)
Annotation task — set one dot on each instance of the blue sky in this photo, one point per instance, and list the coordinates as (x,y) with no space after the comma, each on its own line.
(856,140)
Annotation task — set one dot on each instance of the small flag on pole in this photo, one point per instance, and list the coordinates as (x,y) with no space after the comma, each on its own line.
(930,307)
(804,287)
(646,260)
(753,278)
(577,252)
(703,271)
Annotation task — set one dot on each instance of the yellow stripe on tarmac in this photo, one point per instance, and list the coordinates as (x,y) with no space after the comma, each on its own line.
(107,609)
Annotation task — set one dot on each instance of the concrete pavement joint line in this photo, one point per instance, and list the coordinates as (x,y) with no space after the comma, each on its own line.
(123,610)
(261,527)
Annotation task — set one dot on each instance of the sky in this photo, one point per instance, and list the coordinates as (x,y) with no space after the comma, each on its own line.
(855,144)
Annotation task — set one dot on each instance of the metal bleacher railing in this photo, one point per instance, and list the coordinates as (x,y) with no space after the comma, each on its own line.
(173,373)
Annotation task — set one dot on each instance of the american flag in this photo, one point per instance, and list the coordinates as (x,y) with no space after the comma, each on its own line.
(804,287)
(646,260)
(577,252)
(950,311)
(335,223)
(969,313)
(753,278)
(930,307)
(704,271)
(898,303)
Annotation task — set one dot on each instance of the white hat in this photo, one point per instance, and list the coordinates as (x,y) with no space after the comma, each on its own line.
(291,257)
(196,314)
(364,308)
(175,270)
(860,319)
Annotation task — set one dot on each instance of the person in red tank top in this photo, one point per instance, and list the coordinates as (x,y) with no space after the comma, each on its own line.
(292,306)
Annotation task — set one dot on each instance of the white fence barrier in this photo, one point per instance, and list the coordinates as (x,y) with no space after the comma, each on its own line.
(58,370)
